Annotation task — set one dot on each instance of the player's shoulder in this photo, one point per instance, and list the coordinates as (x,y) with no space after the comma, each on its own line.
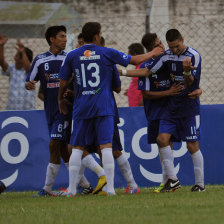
(147,63)
(191,52)
(43,55)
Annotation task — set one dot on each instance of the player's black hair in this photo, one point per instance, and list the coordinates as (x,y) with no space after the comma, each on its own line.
(80,36)
(135,49)
(102,41)
(52,31)
(89,30)
(148,41)
(172,35)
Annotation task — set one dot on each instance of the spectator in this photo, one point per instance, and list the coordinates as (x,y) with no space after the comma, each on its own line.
(134,95)
(19,98)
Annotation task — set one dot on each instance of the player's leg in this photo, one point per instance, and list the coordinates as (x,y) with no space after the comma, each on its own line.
(123,163)
(53,166)
(105,130)
(166,130)
(89,162)
(191,134)
(2,187)
(77,141)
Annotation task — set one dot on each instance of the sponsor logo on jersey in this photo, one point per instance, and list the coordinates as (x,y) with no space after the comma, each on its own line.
(164,83)
(89,55)
(51,76)
(53,85)
(91,92)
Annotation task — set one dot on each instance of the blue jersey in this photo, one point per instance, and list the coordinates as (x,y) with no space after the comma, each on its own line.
(93,68)
(180,105)
(45,68)
(158,81)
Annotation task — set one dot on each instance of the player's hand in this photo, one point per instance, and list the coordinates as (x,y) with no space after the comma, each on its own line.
(157,51)
(31,85)
(120,72)
(187,67)
(68,93)
(126,92)
(175,89)
(195,94)
(3,40)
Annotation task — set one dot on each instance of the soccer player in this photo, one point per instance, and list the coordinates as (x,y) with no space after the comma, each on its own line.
(155,90)
(45,68)
(117,148)
(93,108)
(182,115)
(80,41)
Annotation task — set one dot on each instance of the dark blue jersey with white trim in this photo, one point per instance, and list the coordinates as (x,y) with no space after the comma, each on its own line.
(45,68)
(180,105)
(159,81)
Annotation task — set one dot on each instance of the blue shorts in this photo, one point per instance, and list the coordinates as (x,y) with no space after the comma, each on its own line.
(60,129)
(187,129)
(97,130)
(153,132)
(116,144)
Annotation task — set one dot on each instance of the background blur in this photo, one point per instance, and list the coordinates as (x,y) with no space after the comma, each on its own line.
(201,22)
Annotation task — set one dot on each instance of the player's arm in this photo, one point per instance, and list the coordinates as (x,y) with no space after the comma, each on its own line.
(117,90)
(3,63)
(62,104)
(116,81)
(175,89)
(138,59)
(65,76)
(187,67)
(31,78)
(142,72)
(195,94)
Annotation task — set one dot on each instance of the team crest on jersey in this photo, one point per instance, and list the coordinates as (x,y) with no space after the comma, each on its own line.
(125,56)
(140,83)
(89,53)
(172,76)
(47,76)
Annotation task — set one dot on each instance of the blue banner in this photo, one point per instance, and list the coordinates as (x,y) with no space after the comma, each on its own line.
(24,153)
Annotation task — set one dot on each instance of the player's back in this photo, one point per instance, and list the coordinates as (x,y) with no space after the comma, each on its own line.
(93,70)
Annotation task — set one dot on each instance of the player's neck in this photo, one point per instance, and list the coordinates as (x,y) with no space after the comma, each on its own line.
(89,43)
(54,50)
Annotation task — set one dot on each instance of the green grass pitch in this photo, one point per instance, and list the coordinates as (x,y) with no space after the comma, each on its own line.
(182,207)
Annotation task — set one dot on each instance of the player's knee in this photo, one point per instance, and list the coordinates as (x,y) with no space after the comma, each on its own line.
(192,147)
(116,154)
(162,141)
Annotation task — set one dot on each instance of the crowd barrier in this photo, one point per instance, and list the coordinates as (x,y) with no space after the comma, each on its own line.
(24,151)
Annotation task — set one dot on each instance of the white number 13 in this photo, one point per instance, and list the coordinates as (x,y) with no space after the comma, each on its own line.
(94,74)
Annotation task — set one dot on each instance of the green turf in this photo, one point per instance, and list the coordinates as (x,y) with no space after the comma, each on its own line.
(182,206)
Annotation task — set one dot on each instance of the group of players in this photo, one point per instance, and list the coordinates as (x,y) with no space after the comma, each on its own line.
(79,86)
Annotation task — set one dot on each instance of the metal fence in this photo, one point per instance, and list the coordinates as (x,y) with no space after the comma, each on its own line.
(206,37)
